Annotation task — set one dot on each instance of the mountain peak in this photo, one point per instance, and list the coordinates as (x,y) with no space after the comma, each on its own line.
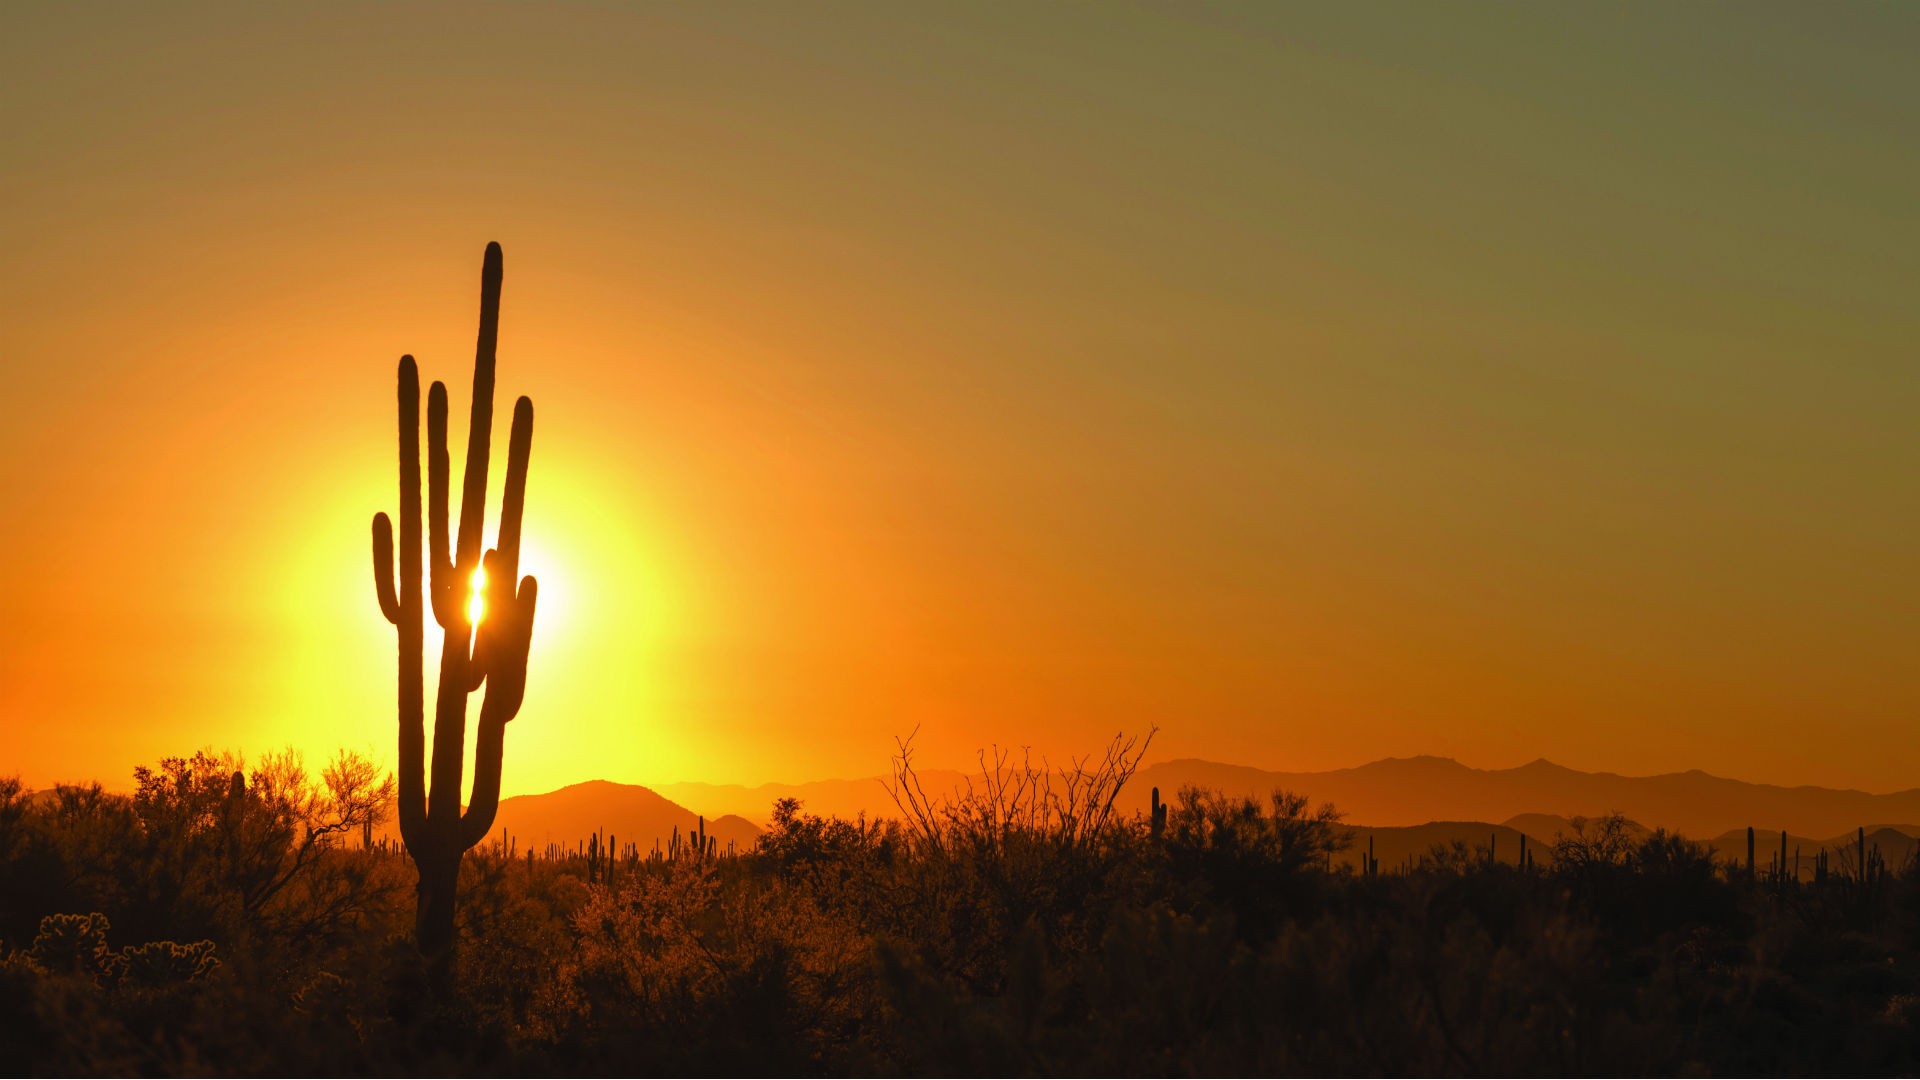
(1418,761)
(629,813)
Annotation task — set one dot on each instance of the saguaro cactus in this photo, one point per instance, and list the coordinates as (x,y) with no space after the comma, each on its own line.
(435,831)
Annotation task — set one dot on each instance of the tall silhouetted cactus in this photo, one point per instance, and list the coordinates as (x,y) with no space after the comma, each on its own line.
(435,831)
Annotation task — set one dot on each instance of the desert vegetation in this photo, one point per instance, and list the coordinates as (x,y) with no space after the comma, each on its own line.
(229,917)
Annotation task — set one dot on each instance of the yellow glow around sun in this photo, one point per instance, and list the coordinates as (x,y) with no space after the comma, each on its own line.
(477,605)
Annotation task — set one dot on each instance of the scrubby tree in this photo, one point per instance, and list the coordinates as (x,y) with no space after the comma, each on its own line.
(358,793)
(1260,861)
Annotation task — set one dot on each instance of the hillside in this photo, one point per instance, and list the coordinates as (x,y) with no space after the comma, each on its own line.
(629,812)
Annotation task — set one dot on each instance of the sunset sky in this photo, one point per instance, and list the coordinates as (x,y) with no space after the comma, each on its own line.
(1317,385)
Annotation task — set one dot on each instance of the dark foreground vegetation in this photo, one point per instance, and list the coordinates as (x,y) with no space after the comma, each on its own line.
(208,925)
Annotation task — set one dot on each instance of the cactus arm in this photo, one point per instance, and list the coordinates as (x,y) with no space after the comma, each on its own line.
(489,749)
(502,564)
(514,500)
(473,492)
(509,633)
(473,497)
(488,628)
(506,689)
(440,564)
(405,613)
(409,485)
(383,568)
(450,708)
(498,599)
(449,733)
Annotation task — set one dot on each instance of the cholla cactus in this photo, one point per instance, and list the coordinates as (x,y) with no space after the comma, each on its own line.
(73,944)
(167,963)
(435,831)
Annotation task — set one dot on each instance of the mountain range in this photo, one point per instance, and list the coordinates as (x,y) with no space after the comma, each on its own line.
(1406,807)
(1400,792)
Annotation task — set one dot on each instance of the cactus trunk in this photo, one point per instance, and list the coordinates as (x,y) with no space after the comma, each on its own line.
(432,827)
(433,912)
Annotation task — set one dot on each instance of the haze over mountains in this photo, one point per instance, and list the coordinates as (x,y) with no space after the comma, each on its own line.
(1411,791)
(1406,806)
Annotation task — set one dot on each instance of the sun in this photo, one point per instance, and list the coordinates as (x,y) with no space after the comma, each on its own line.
(477,603)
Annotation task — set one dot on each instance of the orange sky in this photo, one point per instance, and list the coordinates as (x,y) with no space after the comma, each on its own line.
(1494,383)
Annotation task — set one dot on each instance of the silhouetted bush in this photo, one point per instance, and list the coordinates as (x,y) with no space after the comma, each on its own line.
(1263,863)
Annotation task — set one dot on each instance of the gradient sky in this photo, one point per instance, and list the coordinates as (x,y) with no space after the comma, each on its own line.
(1316,384)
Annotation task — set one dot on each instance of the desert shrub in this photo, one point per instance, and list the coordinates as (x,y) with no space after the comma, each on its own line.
(688,965)
(511,928)
(853,868)
(76,848)
(1264,863)
(31,864)
(1022,844)
(1650,890)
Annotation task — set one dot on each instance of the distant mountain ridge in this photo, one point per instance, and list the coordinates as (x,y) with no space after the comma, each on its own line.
(630,813)
(1403,792)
